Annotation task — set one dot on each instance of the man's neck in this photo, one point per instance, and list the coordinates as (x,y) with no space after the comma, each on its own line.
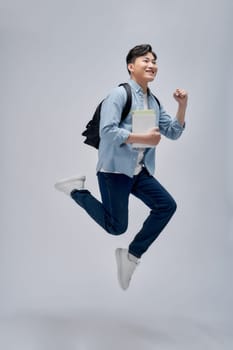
(143,85)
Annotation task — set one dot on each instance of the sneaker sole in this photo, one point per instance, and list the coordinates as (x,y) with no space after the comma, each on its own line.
(71,179)
(119,265)
(59,185)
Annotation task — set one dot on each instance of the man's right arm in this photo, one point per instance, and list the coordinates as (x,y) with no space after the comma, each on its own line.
(152,137)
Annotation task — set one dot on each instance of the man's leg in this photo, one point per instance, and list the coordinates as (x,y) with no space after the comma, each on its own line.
(162,206)
(112,213)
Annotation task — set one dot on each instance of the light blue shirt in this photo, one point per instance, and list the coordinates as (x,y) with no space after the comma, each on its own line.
(116,156)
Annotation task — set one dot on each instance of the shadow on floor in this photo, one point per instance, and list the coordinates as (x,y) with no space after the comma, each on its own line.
(102,331)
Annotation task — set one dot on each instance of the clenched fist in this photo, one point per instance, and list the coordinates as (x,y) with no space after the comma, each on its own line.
(181,96)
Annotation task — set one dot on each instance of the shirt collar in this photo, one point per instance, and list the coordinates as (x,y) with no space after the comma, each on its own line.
(137,87)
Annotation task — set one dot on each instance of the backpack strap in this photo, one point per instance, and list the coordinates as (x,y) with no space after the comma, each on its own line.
(128,104)
(156,99)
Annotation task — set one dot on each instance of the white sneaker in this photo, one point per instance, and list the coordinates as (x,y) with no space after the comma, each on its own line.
(70,184)
(125,267)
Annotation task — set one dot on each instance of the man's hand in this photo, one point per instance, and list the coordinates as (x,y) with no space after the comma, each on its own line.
(181,96)
(153,136)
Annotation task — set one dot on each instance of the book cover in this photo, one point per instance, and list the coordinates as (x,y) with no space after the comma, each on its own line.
(142,121)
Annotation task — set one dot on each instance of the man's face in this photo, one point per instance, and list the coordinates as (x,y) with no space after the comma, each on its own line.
(144,68)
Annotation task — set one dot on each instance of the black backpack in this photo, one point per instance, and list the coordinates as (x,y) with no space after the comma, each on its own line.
(92,128)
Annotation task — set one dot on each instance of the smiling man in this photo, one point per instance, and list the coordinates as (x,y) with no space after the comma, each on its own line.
(123,169)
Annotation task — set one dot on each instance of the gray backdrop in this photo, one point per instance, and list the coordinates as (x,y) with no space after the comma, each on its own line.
(58,285)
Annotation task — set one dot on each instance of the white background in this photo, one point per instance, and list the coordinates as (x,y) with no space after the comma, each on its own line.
(58,284)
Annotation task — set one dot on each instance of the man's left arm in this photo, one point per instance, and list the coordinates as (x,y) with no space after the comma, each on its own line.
(181,97)
(173,127)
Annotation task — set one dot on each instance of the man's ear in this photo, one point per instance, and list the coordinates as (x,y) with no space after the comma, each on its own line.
(130,67)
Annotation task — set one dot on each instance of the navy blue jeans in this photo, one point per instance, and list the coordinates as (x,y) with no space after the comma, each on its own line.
(112,212)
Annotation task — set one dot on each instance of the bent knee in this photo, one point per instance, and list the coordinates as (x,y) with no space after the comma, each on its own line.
(117,230)
(172,206)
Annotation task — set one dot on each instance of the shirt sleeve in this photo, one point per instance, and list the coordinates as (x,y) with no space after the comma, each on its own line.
(169,127)
(110,117)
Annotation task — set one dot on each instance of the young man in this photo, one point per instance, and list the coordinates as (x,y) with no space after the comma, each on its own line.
(123,169)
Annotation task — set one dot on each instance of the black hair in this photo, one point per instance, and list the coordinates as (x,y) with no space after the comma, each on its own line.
(138,51)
